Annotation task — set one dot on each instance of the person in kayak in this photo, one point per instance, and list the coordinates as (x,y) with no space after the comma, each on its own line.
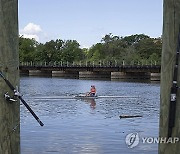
(92,91)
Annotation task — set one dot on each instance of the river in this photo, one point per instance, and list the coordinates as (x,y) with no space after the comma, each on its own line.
(93,126)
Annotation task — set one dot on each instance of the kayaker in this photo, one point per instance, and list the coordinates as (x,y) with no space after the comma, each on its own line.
(93,91)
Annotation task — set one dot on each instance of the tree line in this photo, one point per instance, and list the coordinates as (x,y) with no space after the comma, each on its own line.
(131,49)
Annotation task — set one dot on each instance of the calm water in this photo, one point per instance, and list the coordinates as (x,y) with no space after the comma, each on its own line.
(87,126)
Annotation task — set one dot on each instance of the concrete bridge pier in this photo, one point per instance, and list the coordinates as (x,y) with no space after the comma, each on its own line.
(40,73)
(24,72)
(94,75)
(129,75)
(66,74)
(155,76)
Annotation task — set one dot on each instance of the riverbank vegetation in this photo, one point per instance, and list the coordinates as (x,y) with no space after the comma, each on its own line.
(133,49)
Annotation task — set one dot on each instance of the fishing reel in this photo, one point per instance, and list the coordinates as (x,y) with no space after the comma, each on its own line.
(11,99)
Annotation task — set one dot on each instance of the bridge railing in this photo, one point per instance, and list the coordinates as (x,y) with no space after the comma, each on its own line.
(100,63)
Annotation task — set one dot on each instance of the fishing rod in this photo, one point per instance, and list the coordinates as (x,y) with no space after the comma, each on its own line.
(18,95)
(174,89)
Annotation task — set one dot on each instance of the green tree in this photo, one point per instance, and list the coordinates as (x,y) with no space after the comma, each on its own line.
(131,49)
(27,49)
(134,39)
(71,51)
(146,47)
(95,53)
(51,51)
(113,47)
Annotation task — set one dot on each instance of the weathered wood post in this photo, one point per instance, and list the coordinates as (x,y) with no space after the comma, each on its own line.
(171,24)
(9,63)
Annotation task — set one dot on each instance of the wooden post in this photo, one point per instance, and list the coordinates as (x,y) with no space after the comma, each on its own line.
(9,66)
(171,23)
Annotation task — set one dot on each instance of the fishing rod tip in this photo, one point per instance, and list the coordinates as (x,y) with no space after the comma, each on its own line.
(41,123)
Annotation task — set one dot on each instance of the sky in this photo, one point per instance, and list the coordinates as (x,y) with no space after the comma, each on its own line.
(88,21)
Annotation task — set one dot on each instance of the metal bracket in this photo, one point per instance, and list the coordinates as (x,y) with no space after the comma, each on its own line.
(17,93)
(8,98)
(173,97)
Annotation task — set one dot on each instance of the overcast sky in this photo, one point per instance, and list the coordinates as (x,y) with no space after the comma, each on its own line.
(87,21)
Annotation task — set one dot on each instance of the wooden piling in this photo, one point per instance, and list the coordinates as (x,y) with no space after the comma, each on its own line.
(9,66)
(171,24)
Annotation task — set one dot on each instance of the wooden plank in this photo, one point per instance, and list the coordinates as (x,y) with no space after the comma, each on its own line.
(9,61)
(171,23)
(130,116)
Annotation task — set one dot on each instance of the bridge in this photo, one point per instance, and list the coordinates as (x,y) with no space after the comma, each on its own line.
(80,70)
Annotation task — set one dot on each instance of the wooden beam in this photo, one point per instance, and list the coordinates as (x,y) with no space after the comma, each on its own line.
(9,62)
(171,24)
(130,116)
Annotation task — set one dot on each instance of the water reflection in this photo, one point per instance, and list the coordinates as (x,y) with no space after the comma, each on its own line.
(93,104)
(91,101)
